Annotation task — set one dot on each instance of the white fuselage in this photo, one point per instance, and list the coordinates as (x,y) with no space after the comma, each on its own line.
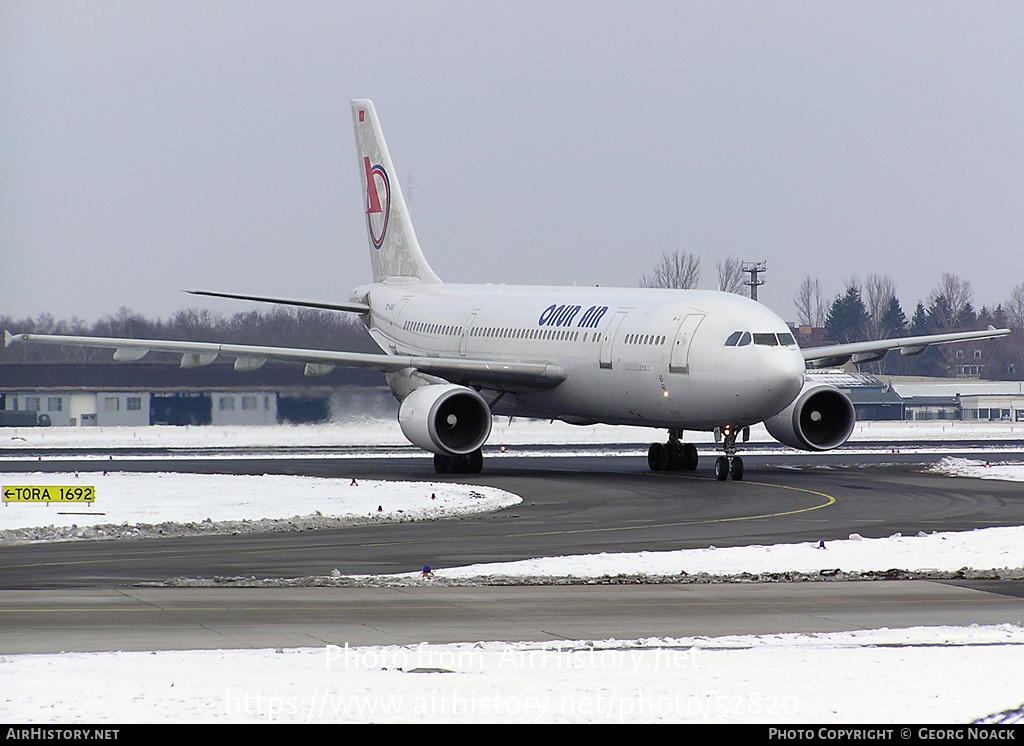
(660,358)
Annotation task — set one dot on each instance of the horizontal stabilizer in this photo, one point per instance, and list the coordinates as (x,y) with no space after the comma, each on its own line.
(347,307)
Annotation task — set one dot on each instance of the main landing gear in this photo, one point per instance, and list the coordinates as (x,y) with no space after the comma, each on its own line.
(470,463)
(672,456)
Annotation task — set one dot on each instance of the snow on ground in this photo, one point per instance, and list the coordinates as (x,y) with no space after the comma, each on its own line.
(918,675)
(138,499)
(375,433)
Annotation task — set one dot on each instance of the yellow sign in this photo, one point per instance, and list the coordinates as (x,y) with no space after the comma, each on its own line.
(49,494)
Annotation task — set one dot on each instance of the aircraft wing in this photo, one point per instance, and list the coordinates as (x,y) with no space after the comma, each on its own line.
(505,376)
(867,352)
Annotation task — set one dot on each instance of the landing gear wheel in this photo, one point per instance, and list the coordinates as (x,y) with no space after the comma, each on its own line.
(442,463)
(654,456)
(736,470)
(470,463)
(689,457)
(721,468)
(672,456)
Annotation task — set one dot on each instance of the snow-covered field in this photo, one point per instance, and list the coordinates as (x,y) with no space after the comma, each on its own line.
(377,433)
(134,505)
(919,675)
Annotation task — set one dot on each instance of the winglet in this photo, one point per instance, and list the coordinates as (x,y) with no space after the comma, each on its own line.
(9,338)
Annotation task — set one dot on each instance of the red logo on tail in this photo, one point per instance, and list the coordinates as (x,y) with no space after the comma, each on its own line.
(377,212)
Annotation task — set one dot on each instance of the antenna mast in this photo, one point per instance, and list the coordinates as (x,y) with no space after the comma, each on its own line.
(754,269)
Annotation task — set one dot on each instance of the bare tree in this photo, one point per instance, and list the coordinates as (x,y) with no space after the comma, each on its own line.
(811,306)
(948,299)
(1015,307)
(879,290)
(680,270)
(730,276)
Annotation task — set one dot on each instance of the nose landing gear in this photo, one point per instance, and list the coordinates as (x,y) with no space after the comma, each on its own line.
(730,464)
(726,466)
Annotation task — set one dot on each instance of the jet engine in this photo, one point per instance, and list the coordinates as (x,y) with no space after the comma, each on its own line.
(819,419)
(445,419)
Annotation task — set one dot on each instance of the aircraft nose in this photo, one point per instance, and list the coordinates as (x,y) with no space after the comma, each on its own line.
(783,373)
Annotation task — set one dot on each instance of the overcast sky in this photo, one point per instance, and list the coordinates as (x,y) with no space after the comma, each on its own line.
(152,147)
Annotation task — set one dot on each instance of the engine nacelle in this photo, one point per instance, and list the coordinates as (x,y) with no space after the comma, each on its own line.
(819,419)
(445,419)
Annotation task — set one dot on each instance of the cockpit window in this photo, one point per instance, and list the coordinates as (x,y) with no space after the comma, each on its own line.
(768,340)
(738,339)
(786,339)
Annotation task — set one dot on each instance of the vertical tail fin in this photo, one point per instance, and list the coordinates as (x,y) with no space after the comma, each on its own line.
(394,250)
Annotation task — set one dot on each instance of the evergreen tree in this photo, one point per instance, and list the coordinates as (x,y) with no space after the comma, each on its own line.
(930,362)
(941,315)
(966,318)
(894,321)
(1000,319)
(919,323)
(847,318)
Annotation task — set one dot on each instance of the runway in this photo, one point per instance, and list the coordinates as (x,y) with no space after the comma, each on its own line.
(83,595)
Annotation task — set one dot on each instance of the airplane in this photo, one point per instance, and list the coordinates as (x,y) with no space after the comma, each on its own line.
(456,355)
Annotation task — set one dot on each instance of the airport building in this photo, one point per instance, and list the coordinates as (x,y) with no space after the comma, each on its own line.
(109,394)
(904,398)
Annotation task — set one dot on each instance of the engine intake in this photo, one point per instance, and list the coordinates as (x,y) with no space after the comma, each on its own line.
(445,418)
(819,419)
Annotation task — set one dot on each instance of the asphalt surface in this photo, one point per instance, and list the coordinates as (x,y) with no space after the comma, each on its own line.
(84,595)
(213,618)
(572,505)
